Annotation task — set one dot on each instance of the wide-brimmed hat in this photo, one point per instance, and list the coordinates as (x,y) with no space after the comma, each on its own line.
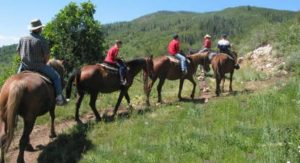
(35,24)
(207,36)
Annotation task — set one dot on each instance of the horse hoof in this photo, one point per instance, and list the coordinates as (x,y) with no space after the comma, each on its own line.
(52,136)
(29,148)
(192,96)
(20,160)
(98,119)
(78,121)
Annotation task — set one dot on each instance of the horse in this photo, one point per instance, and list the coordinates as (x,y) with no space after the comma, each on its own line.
(28,94)
(93,79)
(221,64)
(164,69)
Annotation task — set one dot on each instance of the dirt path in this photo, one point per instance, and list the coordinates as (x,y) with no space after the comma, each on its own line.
(39,137)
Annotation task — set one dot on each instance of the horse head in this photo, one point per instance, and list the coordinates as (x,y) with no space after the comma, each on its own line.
(58,66)
(148,68)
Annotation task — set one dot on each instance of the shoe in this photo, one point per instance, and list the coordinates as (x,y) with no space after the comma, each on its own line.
(60,100)
(123,82)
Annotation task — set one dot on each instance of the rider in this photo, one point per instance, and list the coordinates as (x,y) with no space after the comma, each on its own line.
(35,53)
(225,47)
(206,43)
(111,58)
(174,50)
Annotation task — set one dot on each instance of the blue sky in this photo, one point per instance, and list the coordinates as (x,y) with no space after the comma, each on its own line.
(15,15)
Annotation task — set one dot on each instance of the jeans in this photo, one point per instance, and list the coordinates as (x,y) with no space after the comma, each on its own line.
(50,73)
(182,61)
(121,69)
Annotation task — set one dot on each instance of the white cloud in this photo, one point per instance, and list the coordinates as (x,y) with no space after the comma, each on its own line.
(8,40)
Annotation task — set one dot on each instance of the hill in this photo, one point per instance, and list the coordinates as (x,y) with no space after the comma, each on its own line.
(151,33)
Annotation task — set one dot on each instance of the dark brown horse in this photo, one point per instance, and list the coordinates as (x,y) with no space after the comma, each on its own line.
(164,69)
(221,64)
(29,95)
(93,79)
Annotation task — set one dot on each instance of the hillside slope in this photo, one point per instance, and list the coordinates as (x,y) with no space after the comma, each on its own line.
(151,33)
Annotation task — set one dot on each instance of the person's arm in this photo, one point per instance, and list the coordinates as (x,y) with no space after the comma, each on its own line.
(45,50)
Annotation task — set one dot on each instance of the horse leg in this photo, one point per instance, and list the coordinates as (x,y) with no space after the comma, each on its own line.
(122,92)
(52,130)
(159,87)
(93,106)
(128,101)
(191,79)
(230,84)
(218,81)
(223,82)
(148,91)
(24,141)
(80,96)
(180,89)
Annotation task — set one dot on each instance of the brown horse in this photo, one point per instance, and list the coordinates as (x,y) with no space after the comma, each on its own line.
(29,95)
(221,64)
(93,79)
(165,69)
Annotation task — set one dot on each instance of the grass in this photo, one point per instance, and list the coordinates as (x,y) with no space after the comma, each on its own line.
(261,127)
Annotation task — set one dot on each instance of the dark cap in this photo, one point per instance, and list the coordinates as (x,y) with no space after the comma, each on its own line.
(175,36)
(118,42)
(224,35)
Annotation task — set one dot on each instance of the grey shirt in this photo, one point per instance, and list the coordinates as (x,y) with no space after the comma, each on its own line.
(33,49)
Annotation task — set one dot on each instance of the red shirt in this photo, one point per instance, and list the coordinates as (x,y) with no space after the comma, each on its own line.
(174,47)
(112,54)
(207,43)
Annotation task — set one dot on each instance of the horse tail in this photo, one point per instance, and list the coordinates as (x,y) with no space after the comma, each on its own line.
(16,94)
(74,76)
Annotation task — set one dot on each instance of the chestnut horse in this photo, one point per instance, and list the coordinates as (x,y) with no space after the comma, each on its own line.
(165,69)
(221,64)
(93,79)
(29,95)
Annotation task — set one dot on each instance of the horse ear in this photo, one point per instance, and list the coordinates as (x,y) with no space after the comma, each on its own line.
(151,56)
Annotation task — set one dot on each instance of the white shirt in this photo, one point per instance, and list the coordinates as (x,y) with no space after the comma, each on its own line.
(223,42)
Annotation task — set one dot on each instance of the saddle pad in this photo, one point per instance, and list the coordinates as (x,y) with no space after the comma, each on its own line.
(175,60)
(109,67)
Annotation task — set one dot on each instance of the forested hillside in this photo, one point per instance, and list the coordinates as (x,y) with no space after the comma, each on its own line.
(7,53)
(151,33)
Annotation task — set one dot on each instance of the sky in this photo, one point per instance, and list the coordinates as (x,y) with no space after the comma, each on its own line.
(15,15)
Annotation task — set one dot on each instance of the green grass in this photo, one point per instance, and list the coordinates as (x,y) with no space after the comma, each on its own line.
(261,127)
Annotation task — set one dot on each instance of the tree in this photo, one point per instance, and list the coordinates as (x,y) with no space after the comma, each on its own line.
(74,35)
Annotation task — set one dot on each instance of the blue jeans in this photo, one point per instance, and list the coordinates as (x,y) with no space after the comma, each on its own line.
(182,61)
(50,73)
(121,69)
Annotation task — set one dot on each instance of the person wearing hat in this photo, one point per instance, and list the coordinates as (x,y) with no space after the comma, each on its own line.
(112,59)
(174,50)
(224,46)
(206,43)
(35,53)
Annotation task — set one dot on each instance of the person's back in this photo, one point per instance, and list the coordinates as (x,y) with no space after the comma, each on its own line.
(224,45)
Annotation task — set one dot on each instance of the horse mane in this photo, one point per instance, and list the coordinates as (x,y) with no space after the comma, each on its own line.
(135,62)
(57,65)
